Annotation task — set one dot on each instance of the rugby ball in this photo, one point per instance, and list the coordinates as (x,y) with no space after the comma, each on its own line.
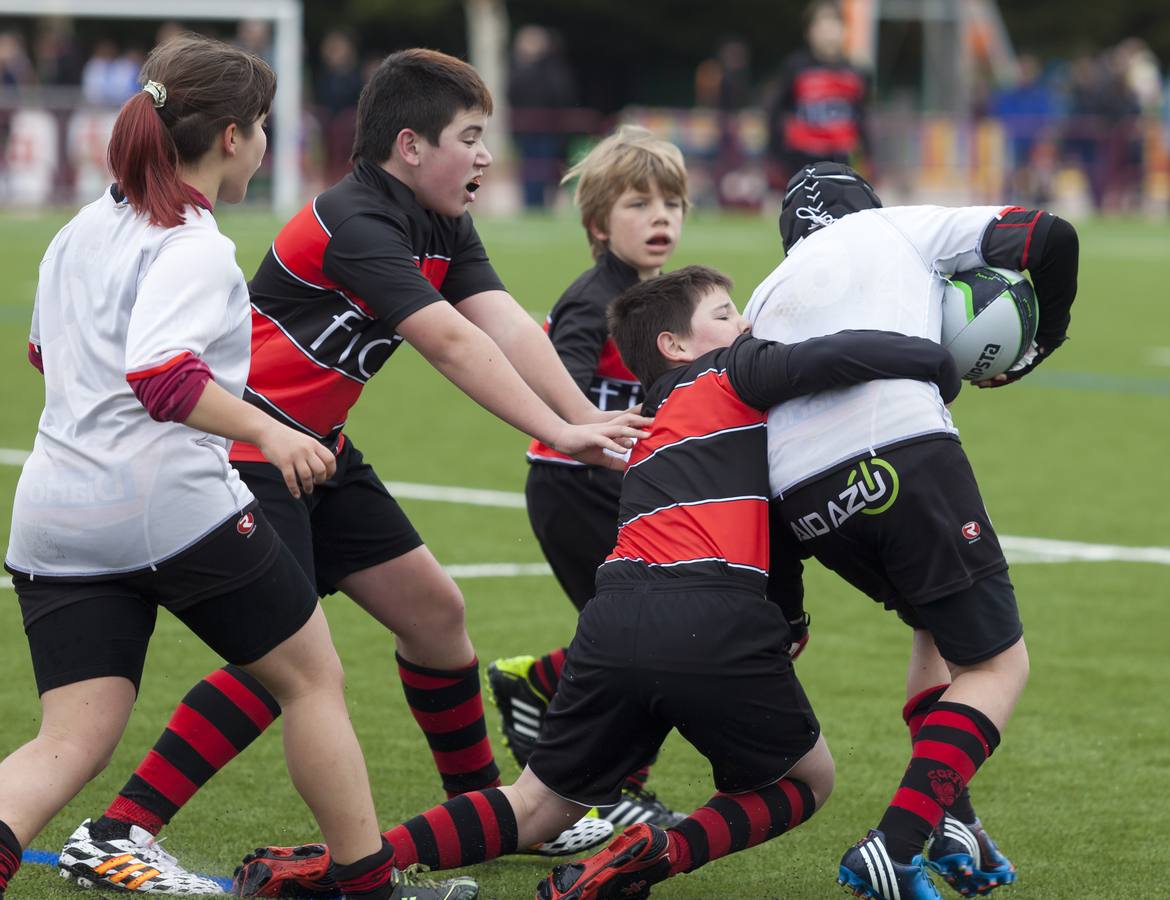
(989,319)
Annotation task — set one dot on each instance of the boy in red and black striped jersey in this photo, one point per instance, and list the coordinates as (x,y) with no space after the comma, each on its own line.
(681,633)
(632,194)
(387,254)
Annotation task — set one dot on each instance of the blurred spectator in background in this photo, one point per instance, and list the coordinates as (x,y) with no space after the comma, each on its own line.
(1027,112)
(108,77)
(336,90)
(255,36)
(819,109)
(16,70)
(724,84)
(58,59)
(540,86)
(1101,127)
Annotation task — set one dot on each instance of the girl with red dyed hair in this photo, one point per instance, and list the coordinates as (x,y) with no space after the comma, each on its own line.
(141,327)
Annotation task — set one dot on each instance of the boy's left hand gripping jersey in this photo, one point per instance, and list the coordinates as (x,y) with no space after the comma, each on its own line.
(337,281)
(695,495)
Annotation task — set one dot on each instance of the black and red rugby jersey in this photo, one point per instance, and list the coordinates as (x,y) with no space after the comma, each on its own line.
(353,263)
(579,332)
(821,107)
(695,493)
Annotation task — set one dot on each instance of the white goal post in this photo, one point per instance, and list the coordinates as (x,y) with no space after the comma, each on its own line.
(286,18)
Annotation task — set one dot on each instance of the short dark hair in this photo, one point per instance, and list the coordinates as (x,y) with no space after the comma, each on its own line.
(647,309)
(418,89)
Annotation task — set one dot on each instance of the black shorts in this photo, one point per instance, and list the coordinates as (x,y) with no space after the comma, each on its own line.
(347,524)
(574,515)
(909,529)
(239,590)
(698,655)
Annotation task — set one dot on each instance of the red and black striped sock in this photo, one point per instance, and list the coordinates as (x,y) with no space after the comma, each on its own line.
(370,876)
(952,743)
(636,781)
(914,713)
(733,822)
(448,707)
(470,828)
(546,672)
(217,719)
(10,853)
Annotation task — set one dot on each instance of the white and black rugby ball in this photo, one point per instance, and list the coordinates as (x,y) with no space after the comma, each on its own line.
(989,318)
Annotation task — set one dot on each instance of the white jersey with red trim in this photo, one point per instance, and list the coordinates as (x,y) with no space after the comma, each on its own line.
(876,269)
(107,488)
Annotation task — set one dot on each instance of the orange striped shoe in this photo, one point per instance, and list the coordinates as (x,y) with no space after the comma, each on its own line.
(135,863)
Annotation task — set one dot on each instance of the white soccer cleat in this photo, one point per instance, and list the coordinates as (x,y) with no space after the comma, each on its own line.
(136,863)
(590,832)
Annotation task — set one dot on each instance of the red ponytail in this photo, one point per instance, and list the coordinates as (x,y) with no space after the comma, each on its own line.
(144,160)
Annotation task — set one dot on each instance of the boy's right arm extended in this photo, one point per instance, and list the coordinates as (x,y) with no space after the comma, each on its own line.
(477,366)
(767,373)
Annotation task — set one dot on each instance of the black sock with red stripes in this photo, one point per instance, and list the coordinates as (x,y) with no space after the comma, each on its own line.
(448,706)
(729,823)
(10,854)
(217,719)
(953,742)
(369,877)
(470,828)
(546,672)
(914,713)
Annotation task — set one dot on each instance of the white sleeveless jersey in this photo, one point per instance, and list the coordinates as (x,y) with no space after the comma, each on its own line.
(107,488)
(875,269)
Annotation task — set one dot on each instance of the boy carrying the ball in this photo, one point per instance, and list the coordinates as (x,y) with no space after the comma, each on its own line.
(873,482)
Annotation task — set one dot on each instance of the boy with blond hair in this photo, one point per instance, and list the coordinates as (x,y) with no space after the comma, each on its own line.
(632,195)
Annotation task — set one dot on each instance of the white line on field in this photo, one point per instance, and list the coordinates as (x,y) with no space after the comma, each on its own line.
(1017,549)
(1160,356)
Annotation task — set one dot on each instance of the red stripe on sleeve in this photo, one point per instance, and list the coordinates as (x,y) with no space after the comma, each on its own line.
(34,357)
(249,704)
(204,738)
(160,368)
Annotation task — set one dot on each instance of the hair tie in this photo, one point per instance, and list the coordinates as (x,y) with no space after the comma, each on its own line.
(157,91)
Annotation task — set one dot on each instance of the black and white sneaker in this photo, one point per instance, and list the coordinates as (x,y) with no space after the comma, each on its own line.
(521,706)
(135,863)
(637,806)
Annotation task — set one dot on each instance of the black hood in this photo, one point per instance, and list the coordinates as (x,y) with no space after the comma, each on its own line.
(820,194)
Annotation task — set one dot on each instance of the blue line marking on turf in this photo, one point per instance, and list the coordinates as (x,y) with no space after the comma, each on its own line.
(44,858)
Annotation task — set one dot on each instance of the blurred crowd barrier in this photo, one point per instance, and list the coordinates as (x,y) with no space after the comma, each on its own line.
(54,153)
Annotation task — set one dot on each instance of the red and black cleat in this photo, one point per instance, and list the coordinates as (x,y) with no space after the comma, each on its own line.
(624,870)
(304,871)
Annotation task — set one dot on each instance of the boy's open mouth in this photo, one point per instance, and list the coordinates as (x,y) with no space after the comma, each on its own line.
(473,185)
(659,240)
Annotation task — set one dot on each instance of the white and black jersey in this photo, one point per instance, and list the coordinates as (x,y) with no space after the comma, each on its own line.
(876,269)
(108,489)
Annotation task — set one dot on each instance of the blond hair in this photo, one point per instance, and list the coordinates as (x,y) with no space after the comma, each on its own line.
(630,158)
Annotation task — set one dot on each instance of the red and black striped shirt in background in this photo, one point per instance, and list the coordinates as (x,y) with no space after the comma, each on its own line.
(353,263)
(578,330)
(695,494)
(820,109)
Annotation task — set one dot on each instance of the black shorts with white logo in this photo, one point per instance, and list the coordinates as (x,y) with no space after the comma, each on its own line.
(349,523)
(238,589)
(909,528)
(573,511)
(700,655)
